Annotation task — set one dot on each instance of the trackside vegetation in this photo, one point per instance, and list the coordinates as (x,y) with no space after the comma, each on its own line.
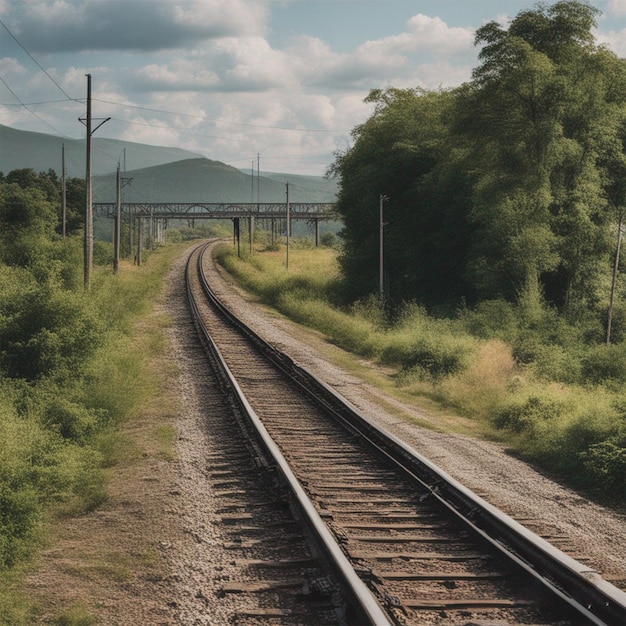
(70,370)
(503,212)
(504,202)
(523,377)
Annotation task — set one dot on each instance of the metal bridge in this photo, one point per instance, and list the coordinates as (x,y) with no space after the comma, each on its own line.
(220,210)
(148,220)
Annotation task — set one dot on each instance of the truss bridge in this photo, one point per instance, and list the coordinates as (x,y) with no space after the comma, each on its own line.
(147,221)
(220,210)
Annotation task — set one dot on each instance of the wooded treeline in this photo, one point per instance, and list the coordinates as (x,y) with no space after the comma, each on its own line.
(511,186)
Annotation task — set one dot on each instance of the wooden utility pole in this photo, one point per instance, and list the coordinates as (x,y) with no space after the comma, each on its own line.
(63,193)
(381,286)
(288,229)
(88,253)
(118,221)
(614,280)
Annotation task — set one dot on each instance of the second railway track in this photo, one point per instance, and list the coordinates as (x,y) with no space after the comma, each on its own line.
(424,549)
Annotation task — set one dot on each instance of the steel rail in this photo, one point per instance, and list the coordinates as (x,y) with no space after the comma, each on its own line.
(360,599)
(583,590)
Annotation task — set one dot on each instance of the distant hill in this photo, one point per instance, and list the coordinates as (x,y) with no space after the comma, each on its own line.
(203,180)
(24,149)
(158,174)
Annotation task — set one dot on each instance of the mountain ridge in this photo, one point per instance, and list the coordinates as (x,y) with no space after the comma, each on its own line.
(157,173)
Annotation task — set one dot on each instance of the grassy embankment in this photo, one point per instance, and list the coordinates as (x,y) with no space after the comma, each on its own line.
(516,375)
(88,374)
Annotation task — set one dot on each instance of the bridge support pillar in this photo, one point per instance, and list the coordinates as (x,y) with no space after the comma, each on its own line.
(139,238)
(251,231)
(236,235)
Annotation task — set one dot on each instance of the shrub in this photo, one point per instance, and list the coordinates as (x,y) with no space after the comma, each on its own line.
(20,515)
(371,309)
(425,346)
(605,463)
(330,240)
(429,356)
(605,364)
(491,319)
(102,252)
(555,363)
(529,416)
(71,419)
(44,328)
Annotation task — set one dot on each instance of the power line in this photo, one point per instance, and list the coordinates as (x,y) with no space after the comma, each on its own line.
(56,130)
(34,60)
(216,119)
(34,104)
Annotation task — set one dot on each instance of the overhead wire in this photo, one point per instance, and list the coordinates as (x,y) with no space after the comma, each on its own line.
(34,60)
(222,120)
(56,130)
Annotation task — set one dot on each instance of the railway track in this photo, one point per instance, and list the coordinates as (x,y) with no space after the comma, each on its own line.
(391,539)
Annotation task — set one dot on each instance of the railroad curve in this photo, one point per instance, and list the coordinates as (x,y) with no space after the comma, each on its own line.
(410,546)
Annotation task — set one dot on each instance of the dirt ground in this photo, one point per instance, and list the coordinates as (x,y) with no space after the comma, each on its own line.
(151,555)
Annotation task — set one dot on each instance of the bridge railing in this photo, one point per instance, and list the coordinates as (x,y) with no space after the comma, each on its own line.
(219,210)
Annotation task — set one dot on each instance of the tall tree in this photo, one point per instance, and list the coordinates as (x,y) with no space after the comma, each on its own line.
(403,152)
(542,114)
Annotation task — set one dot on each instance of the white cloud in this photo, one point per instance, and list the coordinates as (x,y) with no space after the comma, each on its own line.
(231,94)
(615,40)
(616,7)
(246,17)
(424,34)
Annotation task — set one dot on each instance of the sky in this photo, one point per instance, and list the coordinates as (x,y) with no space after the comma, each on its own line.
(275,83)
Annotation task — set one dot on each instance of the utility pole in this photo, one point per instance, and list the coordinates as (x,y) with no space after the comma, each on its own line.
(287,192)
(381,287)
(614,279)
(63,193)
(87,121)
(118,220)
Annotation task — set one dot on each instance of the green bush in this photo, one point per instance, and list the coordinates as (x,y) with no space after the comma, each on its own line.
(426,356)
(605,465)
(554,363)
(491,319)
(71,419)
(605,364)
(43,328)
(20,516)
(528,416)
(425,346)
(330,240)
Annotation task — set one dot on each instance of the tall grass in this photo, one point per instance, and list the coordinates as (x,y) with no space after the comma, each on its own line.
(532,381)
(59,412)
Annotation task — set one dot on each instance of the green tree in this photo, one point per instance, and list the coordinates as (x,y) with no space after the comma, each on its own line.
(49,184)
(403,151)
(542,114)
(27,223)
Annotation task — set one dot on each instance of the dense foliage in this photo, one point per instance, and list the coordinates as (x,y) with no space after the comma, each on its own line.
(65,383)
(509,187)
(504,202)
